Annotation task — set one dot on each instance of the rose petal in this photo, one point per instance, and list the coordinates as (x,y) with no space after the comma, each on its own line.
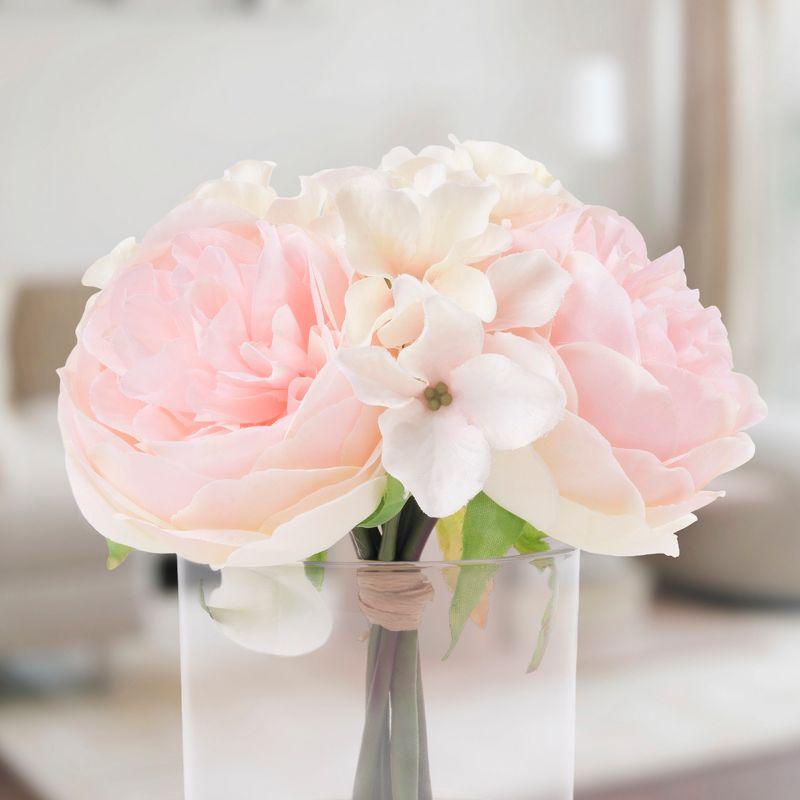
(622,400)
(595,309)
(712,459)
(585,469)
(314,530)
(521,483)
(615,535)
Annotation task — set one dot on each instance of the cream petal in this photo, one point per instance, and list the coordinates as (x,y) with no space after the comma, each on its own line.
(109,514)
(470,288)
(194,214)
(251,171)
(453,212)
(275,611)
(150,482)
(314,530)
(381,227)
(491,158)
(437,455)
(449,337)
(405,326)
(366,304)
(246,503)
(659,516)
(101,272)
(534,356)
(408,318)
(615,535)
(521,483)
(301,209)
(494,240)
(376,377)
(528,197)
(511,405)
(251,197)
(585,469)
(529,288)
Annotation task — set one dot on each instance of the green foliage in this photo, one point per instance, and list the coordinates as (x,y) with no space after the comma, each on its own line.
(531,540)
(117,553)
(314,573)
(547,617)
(393,500)
(448,532)
(488,531)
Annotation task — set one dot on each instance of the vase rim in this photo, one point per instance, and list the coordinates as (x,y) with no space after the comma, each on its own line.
(557,549)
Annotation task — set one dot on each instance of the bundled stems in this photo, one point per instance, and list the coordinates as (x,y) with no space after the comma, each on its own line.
(393,760)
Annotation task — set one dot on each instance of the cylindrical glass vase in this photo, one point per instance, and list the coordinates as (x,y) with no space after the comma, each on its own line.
(380,681)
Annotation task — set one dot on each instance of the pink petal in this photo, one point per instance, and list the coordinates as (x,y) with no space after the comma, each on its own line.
(529,288)
(712,459)
(595,309)
(450,337)
(622,400)
(657,483)
(376,377)
(510,404)
(585,469)
(702,412)
(437,455)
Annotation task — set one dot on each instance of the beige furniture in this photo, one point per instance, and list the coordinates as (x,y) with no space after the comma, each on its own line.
(746,546)
(54,589)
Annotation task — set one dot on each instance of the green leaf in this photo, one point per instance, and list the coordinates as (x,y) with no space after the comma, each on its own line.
(316,574)
(203,604)
(547,617)
(393,500)
(489,531)
(531,540)
(449,533)
(117,553)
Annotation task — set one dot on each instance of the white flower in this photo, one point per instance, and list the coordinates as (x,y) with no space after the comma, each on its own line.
(526,189)
(436,229)
(452,397)
(528,288)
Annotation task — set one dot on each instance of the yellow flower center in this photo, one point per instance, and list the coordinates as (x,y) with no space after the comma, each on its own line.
(438,396)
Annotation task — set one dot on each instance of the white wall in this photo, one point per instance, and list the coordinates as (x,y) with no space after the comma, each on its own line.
(110,115)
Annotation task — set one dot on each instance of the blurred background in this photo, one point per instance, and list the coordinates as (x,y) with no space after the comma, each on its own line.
(683,115)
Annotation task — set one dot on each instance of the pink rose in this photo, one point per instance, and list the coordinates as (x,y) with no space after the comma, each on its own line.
(200,410)
(655,411)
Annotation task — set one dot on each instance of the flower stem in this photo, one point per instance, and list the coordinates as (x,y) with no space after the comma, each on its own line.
(365,542)
(376,726)
(388,548)
(417,527)
(404,755)
(393,762)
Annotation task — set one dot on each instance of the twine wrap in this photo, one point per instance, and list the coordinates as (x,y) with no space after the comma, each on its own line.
(393,599)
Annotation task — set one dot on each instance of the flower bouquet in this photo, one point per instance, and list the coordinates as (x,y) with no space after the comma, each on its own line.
(448,343)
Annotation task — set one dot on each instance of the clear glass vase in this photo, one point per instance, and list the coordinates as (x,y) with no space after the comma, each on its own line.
(380,681)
